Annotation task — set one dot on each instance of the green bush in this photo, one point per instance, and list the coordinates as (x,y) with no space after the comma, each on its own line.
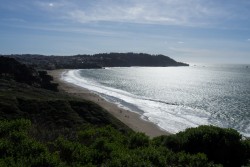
(73,152)
(222,146)
(246,151)
(18,149)
(138,140)
(20,125)
(107,146)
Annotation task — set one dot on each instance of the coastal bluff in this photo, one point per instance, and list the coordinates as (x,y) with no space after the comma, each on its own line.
(101,60)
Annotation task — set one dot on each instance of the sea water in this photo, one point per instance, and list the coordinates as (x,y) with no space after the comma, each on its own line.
(176,98)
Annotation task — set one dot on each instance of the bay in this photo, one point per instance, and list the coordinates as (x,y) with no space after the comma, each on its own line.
(176,98)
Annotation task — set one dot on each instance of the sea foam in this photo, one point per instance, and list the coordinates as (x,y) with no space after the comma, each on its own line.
(170,117)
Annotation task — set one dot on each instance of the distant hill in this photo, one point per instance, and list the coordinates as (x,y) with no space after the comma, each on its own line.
(96,61)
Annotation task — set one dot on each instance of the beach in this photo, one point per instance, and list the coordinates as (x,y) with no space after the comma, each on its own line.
(131,119)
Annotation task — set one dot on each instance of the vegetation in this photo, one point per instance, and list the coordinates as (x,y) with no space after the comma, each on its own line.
(223,146)
(40,127)
(53,113)
(10,69)
(96,61)
(103,146)
(49,110)
(96,146)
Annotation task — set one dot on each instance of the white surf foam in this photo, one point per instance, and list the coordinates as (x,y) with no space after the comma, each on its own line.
(170,117)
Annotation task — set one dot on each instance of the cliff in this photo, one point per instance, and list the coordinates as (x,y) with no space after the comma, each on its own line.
(96,61)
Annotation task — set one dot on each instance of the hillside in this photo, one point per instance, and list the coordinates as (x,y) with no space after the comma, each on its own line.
(41,127)
(11,69)
(24,94)
(96,61)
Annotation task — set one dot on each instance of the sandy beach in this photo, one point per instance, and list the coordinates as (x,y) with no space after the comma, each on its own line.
(129,118)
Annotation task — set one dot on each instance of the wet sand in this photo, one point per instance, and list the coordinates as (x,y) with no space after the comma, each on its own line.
(129,118)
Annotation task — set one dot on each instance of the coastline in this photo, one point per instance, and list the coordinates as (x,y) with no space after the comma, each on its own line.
(129,118)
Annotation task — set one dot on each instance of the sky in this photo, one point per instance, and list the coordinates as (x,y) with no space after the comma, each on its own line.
(202,31)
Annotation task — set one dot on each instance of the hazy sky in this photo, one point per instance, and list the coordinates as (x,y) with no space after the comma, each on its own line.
(186,30)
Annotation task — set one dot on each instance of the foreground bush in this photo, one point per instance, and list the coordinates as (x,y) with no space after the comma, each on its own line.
(18,149)
(93,146)
(224,146)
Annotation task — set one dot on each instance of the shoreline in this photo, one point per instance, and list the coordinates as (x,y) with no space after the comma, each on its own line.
(131,119)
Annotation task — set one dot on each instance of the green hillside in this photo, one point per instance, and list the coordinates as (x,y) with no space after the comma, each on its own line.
(50,110)
(40,127)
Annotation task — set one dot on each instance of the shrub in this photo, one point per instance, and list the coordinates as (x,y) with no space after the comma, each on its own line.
(18,149)
(138,140)
(220,145)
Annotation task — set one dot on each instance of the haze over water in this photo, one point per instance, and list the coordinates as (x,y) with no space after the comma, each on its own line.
(176,98)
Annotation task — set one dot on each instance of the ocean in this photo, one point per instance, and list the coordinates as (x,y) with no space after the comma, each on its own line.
(175,98)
